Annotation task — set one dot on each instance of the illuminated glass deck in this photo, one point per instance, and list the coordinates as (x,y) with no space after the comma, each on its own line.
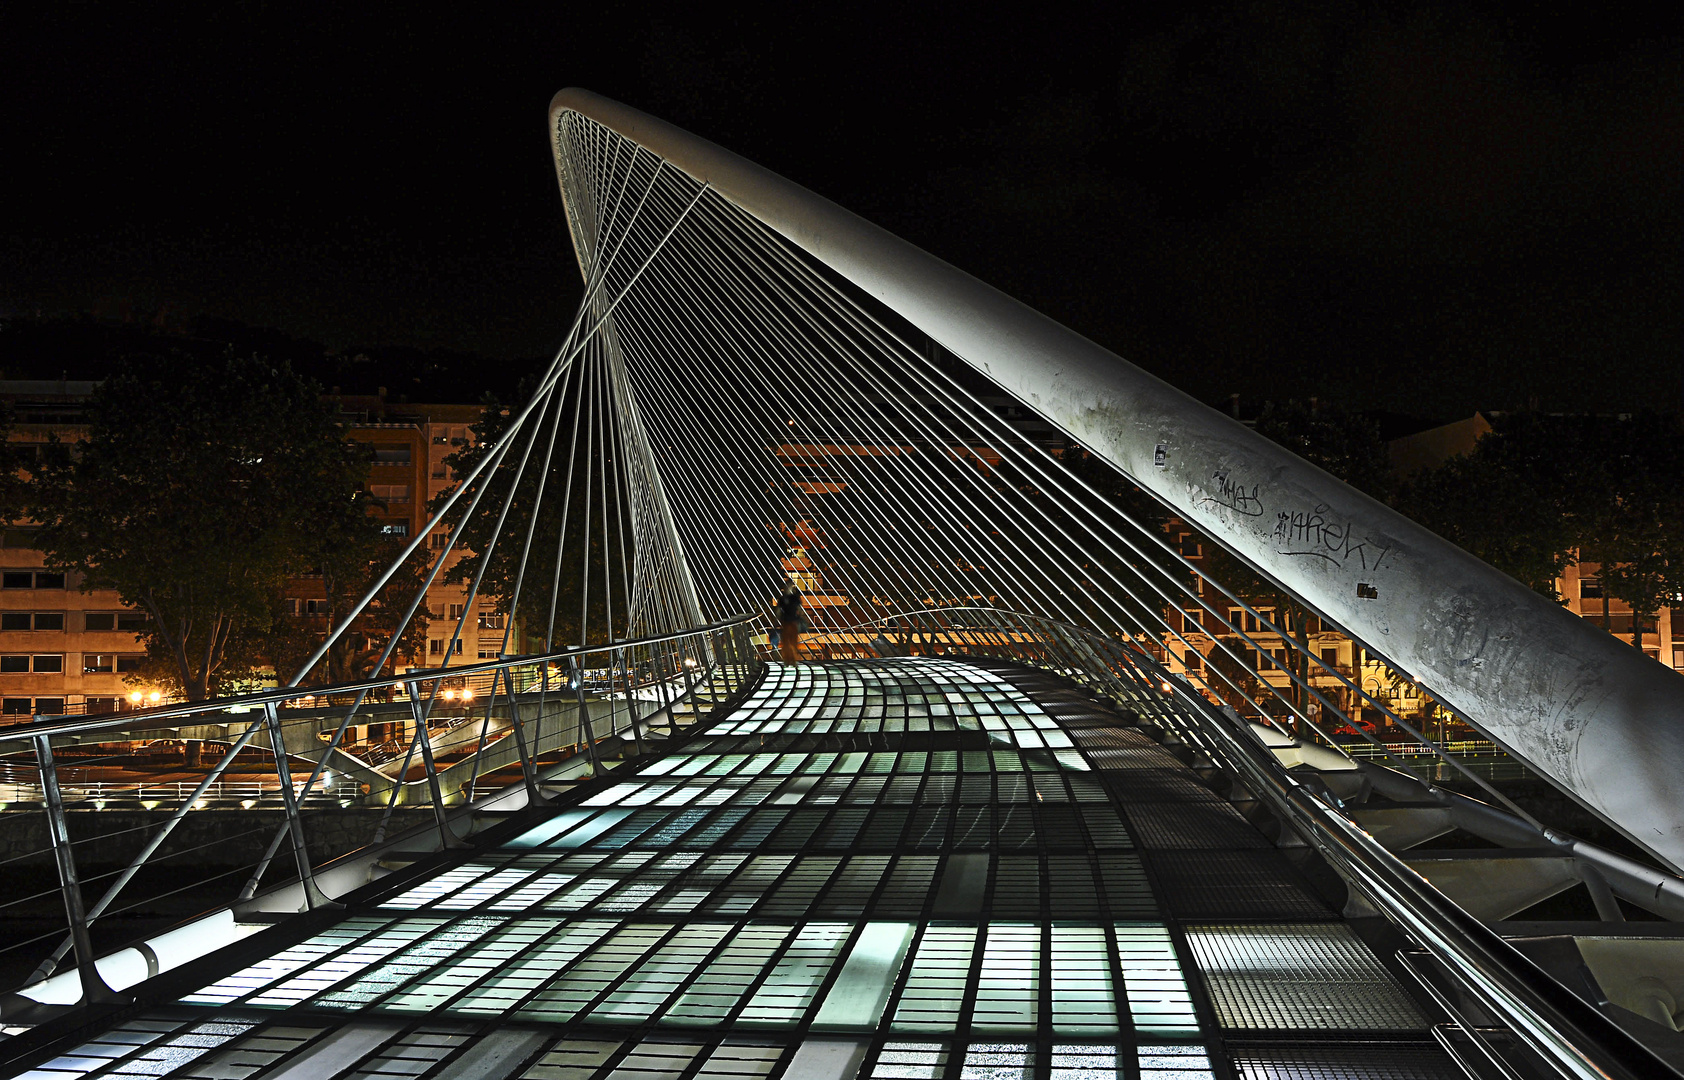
(896,868)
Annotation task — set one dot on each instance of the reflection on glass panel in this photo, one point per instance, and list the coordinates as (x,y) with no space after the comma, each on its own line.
(729,979)
(788,989)
(1086,1063)
(935,986)
(1008,992)
(1159,1002)
(1082,997)
(910,1061)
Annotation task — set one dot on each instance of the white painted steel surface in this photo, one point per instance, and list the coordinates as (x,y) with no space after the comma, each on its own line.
(1558,693)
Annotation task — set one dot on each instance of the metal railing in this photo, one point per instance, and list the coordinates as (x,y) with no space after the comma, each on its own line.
(252,794)
(1569,1036)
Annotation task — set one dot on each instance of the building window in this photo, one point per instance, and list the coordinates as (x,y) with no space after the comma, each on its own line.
(17,579)
(127,664)
(390,493)
(1590,588)
(135,621)
(15,620)
(440,440)
(491,620)
(49,620)
(100,620)
(315,607)
(49,706)
(98,663)
(456,610)
(441,540)
(395,528)
(12,665)
(490,654)
(45,580)
(435,647)
(98,706)
(47,663)
(390,453)
(18,538)
(16,706)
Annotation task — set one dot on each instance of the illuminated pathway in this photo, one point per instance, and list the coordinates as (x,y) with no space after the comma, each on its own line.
(894,868)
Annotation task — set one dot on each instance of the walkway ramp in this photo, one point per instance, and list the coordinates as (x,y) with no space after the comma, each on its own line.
(890,868)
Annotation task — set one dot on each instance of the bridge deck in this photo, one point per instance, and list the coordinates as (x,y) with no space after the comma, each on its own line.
(896,868)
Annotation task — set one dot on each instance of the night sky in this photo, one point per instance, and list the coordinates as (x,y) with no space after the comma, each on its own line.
(1425,209)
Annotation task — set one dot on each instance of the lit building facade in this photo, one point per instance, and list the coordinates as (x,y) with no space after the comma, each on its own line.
(66,650)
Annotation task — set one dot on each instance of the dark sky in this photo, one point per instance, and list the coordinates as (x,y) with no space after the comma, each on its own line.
(1423,208)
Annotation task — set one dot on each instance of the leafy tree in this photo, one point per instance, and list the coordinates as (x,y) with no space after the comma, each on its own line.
(1345,443)
(202,486)
(11,461)
(1522,500)
(1541,491)
(350,554)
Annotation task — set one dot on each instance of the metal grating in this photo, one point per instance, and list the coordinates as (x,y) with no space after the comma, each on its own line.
(1362,1061)
(1307,977)
(1160,785)
(1235,885)
(1192,825)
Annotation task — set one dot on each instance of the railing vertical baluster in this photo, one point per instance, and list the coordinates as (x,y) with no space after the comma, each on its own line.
(94,988)
(447,839)
(631,702)
(587,733)
(528,768)
(313,896)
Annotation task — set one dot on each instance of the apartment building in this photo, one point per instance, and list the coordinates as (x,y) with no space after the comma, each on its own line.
(66,650)
(406,445)
(61,649)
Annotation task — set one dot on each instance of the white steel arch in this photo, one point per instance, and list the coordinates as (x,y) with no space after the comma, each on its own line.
(1572,702)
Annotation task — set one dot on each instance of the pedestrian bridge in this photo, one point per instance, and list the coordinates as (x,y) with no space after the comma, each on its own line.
(1050,797)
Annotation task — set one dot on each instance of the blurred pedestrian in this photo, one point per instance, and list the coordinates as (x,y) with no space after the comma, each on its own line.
(789,623)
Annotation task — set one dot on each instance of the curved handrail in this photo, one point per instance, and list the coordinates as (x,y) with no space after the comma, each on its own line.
(147,718)
(1556,1023)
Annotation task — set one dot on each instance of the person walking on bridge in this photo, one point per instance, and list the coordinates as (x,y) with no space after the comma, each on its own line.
(789,623)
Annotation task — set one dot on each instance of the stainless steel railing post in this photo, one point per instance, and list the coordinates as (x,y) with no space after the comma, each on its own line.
(528,767)
(313,896)
(447,839)
(94,988)
(587,733)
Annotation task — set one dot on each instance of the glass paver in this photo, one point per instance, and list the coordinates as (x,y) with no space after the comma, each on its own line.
(912,850)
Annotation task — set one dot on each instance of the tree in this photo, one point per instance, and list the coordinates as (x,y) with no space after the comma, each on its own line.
(201,487)
(1522,500)
(1345,443)
(349,556)
(1541,491)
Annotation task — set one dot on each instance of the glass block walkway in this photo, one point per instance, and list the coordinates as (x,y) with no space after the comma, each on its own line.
(874,869)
